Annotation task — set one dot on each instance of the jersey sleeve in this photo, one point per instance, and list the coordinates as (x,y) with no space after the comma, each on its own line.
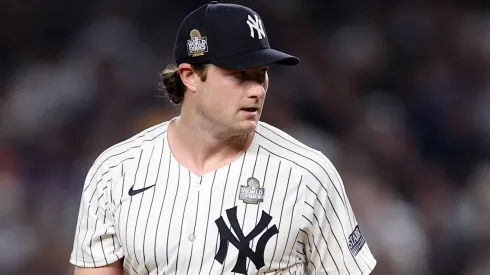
(333,241)
(95,243)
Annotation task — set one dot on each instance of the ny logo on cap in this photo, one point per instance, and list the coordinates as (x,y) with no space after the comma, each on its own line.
(256,24)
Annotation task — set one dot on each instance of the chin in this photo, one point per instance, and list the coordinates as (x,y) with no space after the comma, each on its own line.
(247,126)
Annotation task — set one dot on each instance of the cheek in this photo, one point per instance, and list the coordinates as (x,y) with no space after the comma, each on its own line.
(216,99)
(222,96)
(227,93)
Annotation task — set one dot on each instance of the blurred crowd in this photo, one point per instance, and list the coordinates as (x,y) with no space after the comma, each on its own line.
(395,93)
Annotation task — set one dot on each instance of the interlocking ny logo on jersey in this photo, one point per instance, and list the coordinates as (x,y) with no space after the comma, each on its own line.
(243,242)
(256,24)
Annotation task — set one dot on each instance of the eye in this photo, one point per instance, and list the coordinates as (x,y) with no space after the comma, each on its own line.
(240,74)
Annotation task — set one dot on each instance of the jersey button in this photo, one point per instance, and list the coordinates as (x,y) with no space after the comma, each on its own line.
(192,238)
(198,187)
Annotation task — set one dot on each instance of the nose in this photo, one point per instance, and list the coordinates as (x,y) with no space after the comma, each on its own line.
(256,90)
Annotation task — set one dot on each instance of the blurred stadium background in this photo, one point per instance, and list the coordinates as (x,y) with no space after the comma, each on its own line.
(395,93)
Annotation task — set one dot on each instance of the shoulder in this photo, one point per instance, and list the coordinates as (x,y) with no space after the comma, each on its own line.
(282,145)
(126,149)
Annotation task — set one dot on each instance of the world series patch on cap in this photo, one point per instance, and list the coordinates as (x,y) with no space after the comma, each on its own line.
(226,35)
(197,45)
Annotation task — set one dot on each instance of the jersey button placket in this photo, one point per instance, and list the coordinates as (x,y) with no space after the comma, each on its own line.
(197,186)
(191,218)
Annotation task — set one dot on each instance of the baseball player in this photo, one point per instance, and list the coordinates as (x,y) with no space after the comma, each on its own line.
(214,190)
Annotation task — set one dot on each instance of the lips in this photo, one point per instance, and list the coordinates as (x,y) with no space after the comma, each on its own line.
(250,109)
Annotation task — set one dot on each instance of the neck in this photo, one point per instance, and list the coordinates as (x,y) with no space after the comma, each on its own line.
(200,148)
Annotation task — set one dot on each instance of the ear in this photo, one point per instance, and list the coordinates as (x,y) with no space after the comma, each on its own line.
(188,77)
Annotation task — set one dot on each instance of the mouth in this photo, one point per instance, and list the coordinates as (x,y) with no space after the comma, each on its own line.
(250,110)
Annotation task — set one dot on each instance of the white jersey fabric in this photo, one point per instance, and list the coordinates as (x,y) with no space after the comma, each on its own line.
(139,204)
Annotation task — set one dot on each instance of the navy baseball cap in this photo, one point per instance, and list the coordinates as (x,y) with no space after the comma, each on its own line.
(230,36)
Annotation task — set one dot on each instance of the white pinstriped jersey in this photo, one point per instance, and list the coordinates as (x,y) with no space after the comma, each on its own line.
(138,203)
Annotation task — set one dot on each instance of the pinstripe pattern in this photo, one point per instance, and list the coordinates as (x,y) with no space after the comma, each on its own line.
(170,227)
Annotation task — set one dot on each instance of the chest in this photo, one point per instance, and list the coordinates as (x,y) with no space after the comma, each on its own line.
(242,217)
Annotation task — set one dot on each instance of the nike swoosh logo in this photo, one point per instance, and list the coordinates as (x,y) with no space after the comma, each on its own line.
(133,192)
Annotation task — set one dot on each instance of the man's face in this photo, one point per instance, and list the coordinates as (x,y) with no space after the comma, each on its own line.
(232,99)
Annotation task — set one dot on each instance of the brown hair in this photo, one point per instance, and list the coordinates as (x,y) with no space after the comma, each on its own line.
(170,81)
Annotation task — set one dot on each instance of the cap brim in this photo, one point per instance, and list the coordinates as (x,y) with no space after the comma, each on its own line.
(256,58)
